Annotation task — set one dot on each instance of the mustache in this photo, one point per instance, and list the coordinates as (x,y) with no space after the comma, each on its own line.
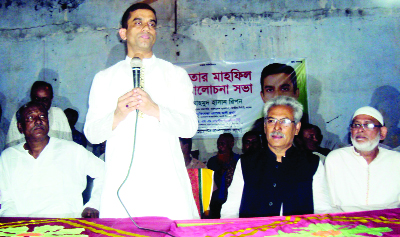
(359,134)
(277,133)
(38,126)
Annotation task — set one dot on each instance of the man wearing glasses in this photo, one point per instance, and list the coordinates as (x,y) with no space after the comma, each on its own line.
(278,179)
(364,176)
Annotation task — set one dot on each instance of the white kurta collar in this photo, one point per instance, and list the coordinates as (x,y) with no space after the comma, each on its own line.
(145,60)
(358,156)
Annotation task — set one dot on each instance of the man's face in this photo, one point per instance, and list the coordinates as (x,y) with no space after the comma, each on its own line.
(366,139)
(224,145)
(251,142)
(310,139)
(141,33)
(43,96)
(278,136)
(276,85)
(36,123)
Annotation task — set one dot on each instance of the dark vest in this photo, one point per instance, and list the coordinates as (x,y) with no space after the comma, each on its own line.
(268,184)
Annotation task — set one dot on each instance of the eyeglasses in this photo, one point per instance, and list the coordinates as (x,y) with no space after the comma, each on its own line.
(367,126)
(284,122)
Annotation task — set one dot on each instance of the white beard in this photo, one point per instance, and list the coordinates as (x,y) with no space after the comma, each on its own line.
(366,146)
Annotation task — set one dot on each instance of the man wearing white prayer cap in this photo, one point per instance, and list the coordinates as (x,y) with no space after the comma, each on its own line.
(364,176)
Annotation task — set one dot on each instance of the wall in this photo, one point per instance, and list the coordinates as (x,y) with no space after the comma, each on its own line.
(351,47)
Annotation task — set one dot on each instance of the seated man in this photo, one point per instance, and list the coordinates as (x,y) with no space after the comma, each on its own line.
(223,164)
(309,139)
(278,179)
(364,176)
(251,140)
(45,177)
(42,92)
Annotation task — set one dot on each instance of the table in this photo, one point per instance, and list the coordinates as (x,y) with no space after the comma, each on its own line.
(369,223)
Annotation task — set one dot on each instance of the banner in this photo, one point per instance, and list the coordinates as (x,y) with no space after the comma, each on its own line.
(227,93)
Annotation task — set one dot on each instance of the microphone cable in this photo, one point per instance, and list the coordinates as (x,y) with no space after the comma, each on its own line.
(129,170)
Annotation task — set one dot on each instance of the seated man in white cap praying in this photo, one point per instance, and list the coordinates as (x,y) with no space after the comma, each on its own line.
(364,176)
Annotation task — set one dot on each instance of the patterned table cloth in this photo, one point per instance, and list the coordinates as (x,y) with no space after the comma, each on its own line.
(370,223)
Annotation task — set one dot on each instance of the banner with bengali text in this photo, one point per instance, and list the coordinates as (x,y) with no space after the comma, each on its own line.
(227,93)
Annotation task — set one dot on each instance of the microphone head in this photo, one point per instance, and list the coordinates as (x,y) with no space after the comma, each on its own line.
(136,62)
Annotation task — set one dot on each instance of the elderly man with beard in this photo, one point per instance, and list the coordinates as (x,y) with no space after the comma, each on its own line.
(278,179)
(364,176)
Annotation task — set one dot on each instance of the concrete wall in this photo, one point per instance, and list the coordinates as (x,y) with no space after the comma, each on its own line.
(352,48)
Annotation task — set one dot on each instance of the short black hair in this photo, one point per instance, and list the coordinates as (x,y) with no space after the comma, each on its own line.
(41,84)
(20,112)
(228,135)
(276,68)
(134,7)
(252,133)
(307,126)
(72,116)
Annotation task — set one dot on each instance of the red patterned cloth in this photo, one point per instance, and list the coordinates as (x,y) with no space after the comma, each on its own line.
(194,181)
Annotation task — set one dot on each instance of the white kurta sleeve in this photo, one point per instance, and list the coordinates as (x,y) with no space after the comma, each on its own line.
(230,209)
(329,173)
(321,198)
(95,169)
(100,116)
(8,207)
(179,117)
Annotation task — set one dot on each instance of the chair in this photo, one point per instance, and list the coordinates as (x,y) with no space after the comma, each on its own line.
(202,181)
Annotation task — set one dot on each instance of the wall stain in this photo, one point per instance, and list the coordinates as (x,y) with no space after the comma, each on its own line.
(6,4)
(348,12)
(48,5)
(316,14)
(60,5)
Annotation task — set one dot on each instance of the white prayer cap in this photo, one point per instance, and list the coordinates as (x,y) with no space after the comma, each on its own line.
(368,110)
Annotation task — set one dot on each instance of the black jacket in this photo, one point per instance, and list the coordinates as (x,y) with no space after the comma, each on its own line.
(268,184)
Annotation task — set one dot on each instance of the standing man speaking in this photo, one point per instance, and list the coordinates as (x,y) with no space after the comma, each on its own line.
(157,183)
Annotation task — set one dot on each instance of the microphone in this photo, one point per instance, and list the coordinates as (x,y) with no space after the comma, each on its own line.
(136,64)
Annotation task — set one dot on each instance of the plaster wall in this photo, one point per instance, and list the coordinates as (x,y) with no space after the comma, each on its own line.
(351,48)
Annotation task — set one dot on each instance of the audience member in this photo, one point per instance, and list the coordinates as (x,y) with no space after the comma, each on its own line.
(364,176)
(309,140)
(45,176)
(251,140)
(165,109)
(278,179)
(223,165)
(42,92)
(190,162)
(78,137)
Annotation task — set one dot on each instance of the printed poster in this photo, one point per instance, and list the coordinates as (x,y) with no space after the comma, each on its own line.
(227,93)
